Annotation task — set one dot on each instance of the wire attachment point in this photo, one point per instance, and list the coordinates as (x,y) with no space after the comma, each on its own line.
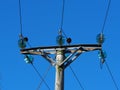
(22,42)
(100,38)
(102,55)
(29,59)
(60,39)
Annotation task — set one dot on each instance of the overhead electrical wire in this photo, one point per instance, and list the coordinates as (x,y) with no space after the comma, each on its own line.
(62,18)
(40,76)
(21,36)
(29,59)
(102,31)
(45,74)
(21,25)
(76,78)
(106,15)
(20,16)
(112,77)
(61,31)
(62,14)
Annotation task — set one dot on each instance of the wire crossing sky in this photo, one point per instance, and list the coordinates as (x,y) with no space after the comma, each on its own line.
(106,15)
(20,16)
(82,21)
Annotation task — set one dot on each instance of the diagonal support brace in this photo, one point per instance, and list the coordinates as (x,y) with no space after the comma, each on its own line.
(72,59)
(49,59)
(68,57)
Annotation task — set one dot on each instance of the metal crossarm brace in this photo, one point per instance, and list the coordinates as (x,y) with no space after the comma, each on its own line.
(71,60)
(66,59)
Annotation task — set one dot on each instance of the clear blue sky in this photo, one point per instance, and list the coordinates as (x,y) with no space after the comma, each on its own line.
(41,19)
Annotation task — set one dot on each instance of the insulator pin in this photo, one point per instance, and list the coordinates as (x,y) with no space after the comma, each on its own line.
(60,40)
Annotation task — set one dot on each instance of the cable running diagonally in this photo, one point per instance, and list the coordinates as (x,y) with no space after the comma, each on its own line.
(102,31)
(20,15)
(111,76)
(76,78)
(40,76)
(45,74)
(106,15)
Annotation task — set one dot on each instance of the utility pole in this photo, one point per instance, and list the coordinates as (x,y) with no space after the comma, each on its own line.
(64,55)
(61,62)
(59,81)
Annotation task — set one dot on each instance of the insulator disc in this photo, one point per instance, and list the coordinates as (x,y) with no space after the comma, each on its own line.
(100,38)
(69,40)
(102,54)
(26,39)
(28,59)
(21,43)
(60,40)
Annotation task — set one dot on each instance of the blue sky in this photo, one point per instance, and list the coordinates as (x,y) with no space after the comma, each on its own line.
(83,20)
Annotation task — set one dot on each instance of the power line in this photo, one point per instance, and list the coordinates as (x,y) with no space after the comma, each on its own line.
(62,14)
(102,57)
(68,39)
(20,16)
(111,76)
(40,76)
(102,31)
(76,78)
(62,17)
(45,74)
(106,15)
